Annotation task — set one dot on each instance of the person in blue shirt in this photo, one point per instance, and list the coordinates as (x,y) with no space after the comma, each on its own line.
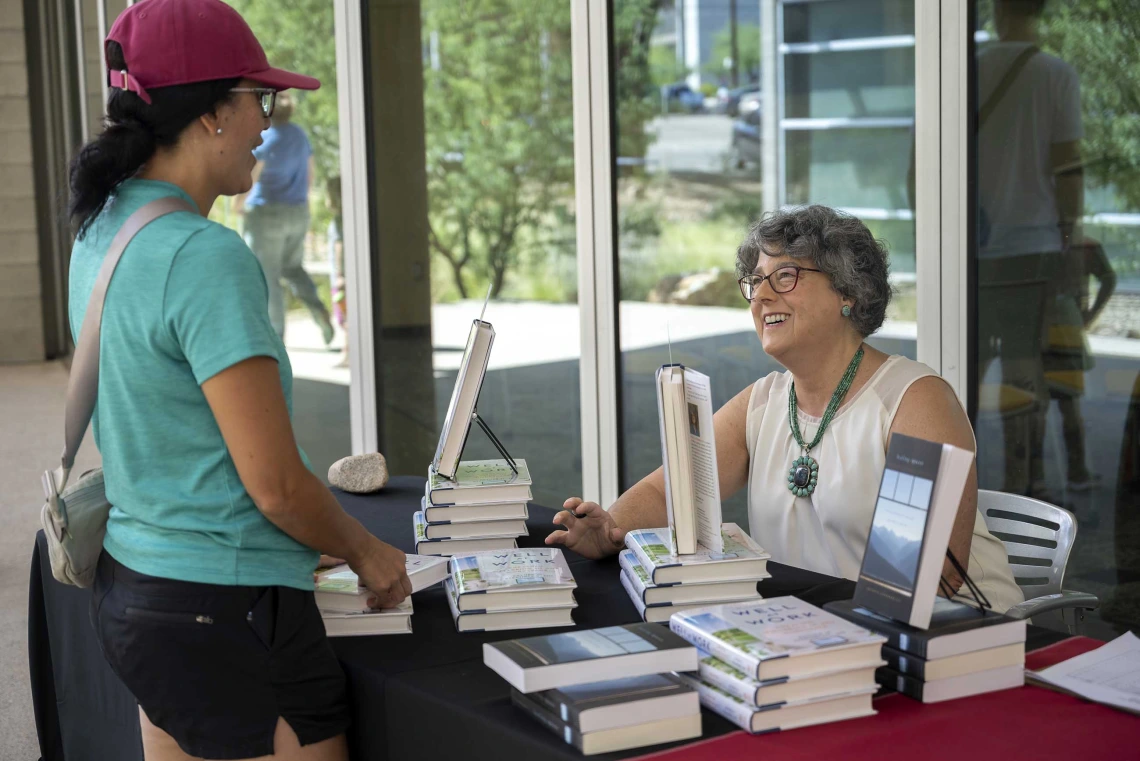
(203,598)
(277,216)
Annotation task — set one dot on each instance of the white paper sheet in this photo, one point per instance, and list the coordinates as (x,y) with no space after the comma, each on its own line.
(1110,674)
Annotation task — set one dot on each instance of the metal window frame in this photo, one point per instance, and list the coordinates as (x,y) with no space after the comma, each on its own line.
(353,116)
(597,295)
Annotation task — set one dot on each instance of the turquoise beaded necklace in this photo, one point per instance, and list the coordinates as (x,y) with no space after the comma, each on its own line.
(804,473)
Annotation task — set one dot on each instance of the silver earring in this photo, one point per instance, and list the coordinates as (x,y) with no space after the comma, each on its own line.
(846,311)
(219,130)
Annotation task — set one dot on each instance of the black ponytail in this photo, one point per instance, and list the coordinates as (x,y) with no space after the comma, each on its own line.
(133,131)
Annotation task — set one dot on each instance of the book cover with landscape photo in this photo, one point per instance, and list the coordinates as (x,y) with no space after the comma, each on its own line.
(919,494)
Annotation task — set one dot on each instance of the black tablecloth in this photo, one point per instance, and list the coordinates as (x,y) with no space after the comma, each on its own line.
(425,695)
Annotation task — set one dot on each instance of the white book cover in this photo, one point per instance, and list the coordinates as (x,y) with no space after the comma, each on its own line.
(338,588)
(783,690)
(520,570)
(688,595)
(692,486)
(783,629)
(464,396)
(480,474)
(787,716)
(421,531)
(651,545)
(473,513)
(397,620)
(654,614)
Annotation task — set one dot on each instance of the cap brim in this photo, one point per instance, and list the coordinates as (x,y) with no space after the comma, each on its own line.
(284,80)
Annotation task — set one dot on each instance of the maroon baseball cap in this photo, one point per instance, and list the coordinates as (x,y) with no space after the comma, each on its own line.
(177,42)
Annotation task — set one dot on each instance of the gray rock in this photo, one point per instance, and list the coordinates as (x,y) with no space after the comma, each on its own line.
(360,474)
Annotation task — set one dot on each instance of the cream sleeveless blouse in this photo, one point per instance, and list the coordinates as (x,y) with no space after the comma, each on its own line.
(828,530)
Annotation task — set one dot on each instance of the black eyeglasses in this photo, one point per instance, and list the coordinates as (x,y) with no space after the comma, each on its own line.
(267,96)
(782,280)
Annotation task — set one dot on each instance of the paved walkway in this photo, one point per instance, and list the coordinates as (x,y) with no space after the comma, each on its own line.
(31,437)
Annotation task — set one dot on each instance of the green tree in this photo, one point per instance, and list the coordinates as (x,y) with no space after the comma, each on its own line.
(500,130)
(298,35)
(748,53)
(1100,39)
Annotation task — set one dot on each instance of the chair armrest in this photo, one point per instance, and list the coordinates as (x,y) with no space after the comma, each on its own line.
(1046,603)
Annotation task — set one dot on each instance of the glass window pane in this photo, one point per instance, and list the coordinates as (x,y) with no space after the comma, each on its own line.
(1058,281)
(689,122)
(293,224)
(473,164)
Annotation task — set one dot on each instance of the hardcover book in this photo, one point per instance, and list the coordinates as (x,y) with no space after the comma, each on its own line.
(497,511)
(533,664)
(338,590)
(464,396)
(954,687)
(788,716)
(619,702)
(503,619)
(919,494)
(512,579)
(740,560)
(955,628)
(653,732)
(656,614)
(478,482)
(397,620)
(781,637)
(775,692)
(425,546)
(688,456)
(652,595)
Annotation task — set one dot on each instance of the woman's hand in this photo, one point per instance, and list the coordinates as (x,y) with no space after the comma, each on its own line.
(381,568)
(590,530)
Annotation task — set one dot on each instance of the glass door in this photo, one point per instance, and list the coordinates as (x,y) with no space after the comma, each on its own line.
(725,109)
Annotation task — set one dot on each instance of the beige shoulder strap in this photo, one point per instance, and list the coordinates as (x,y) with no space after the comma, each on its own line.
(83,383)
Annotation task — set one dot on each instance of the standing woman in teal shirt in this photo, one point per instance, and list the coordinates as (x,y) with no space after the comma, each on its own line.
(203,601)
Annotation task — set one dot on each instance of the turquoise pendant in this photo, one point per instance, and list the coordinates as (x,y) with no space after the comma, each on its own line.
(803,476)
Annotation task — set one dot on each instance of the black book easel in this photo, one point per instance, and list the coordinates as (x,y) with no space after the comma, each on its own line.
(980,599)
(494,440)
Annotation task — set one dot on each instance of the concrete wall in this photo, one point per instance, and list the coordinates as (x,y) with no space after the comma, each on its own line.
(21,313)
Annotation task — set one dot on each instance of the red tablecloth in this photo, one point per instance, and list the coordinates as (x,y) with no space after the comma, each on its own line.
(1026,722)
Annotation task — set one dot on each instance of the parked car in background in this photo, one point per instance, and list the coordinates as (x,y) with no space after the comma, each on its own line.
(746,139)
(728,101)
(680,97)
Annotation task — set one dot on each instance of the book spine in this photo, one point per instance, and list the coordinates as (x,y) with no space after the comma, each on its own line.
(634,597)
(713,646)
(719,703)
(905,663)
(634,581)
(734,687)
(900,683)
(546,719)
(644,561)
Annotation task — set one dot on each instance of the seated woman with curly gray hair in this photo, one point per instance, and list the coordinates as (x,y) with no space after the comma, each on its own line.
(817,283)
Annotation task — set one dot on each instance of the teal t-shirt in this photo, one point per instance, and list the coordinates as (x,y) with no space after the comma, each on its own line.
(187,301)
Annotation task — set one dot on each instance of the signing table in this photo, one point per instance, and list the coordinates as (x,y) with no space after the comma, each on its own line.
(427,695)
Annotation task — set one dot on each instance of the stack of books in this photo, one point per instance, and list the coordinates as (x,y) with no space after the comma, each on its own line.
(781,663)
(482,508)
(661,583)
(343,603)
(511,589)
(603,690)
(964,651)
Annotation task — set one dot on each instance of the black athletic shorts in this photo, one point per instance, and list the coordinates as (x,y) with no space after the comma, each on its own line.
(214,666)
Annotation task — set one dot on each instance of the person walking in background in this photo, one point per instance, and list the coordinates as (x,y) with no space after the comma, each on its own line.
(277,216)
(1030,202)
(335,237)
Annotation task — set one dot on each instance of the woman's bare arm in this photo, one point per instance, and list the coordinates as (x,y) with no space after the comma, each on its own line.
(249,406)
(929,410)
